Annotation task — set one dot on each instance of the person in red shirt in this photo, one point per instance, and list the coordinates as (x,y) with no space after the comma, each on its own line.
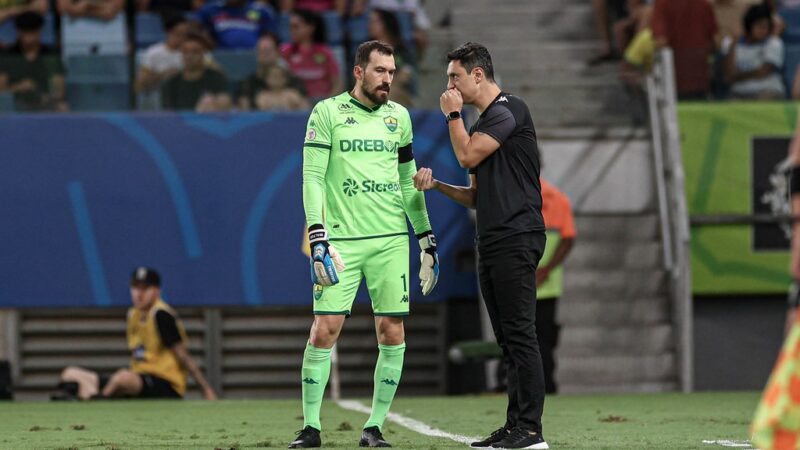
(689,28)
(309,58)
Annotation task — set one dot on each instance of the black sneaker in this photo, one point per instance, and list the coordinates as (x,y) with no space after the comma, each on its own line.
(522,438)
(308,437)
(372,437)
(496,436)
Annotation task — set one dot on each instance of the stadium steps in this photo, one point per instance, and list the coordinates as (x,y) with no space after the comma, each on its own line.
(246,352)
(617,333)
(540,50)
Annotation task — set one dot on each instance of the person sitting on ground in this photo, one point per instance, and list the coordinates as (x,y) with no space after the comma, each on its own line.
(160,359)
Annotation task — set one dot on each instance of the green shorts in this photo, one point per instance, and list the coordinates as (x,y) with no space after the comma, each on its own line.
(383,262)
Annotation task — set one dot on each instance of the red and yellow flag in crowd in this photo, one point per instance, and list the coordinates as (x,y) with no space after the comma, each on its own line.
(776,425)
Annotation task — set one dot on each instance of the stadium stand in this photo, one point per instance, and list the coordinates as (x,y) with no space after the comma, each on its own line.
(8,35)
(149,29)
(91,36)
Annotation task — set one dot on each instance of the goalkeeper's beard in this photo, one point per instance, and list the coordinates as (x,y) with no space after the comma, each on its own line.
(375,95)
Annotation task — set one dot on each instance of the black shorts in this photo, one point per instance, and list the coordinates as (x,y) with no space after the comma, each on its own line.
(152,386)
(155,387)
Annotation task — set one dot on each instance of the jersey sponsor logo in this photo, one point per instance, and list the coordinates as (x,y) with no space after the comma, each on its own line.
(404,299)
(389,106)
(389,382)
(312,123)
(502,99)
(368,145)
(351,121)
(309,380)
(345,107)
(352,187)
(311,135)
(391,123)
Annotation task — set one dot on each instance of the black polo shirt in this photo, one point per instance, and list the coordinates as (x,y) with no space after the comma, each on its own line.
(509,197)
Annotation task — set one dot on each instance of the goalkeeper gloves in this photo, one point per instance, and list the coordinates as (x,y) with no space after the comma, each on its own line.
(429,267)
(325,260)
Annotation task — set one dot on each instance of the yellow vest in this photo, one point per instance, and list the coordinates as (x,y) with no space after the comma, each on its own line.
(148,354)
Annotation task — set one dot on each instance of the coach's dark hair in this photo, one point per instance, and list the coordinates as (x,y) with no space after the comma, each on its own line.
(472,55)
(365,49)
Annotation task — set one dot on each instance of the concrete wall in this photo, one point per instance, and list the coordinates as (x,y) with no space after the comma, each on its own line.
(737,340)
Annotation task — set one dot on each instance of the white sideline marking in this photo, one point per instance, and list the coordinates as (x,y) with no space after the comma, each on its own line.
(729,443)
(411,424)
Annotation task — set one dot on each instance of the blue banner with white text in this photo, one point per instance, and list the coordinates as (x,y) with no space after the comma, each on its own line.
(214,202)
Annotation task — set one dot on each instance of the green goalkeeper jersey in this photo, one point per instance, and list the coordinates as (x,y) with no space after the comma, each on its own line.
(358,169)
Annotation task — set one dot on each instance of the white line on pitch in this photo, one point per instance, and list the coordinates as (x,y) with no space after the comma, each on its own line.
(746,445)
(411,424)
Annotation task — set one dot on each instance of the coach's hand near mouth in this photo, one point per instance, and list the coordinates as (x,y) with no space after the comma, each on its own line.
(451,101)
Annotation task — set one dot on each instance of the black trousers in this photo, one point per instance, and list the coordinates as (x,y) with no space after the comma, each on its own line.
(547,331)
(507,273)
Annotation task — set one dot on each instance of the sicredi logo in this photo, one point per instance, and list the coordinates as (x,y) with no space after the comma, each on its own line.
(351,187)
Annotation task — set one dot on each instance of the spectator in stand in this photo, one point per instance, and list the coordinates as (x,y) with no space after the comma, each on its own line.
(729,15)
(627,28)
(279,95)
(106,10)
(197,87)
(603,20)
(309,58)
(163,60)
(237,24)
(32,72)
(384,27)
(318,6)
(689,28)
(753,66)
(9,9)
(267,55)
(420,18)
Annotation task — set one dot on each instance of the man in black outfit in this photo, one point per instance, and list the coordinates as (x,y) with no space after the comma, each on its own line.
(502,156)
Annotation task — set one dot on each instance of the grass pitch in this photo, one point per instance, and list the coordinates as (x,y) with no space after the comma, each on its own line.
(662,421)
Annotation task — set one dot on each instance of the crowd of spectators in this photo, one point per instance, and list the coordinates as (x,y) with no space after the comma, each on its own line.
(212,55)
(722,49)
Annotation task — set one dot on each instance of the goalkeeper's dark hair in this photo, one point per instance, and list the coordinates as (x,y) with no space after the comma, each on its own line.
(365,49)
(472,55)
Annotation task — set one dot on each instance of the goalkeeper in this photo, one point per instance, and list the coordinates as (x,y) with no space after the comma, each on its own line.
(358,188)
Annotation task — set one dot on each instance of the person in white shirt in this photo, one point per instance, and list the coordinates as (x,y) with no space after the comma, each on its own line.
(754,64)
(162,60)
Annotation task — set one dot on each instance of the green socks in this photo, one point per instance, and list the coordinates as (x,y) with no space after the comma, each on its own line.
(387,377)
(315,373)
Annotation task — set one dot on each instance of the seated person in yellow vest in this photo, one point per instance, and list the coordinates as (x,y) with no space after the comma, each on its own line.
(160,358)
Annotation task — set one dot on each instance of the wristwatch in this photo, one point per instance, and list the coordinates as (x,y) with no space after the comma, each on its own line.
(453,116)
